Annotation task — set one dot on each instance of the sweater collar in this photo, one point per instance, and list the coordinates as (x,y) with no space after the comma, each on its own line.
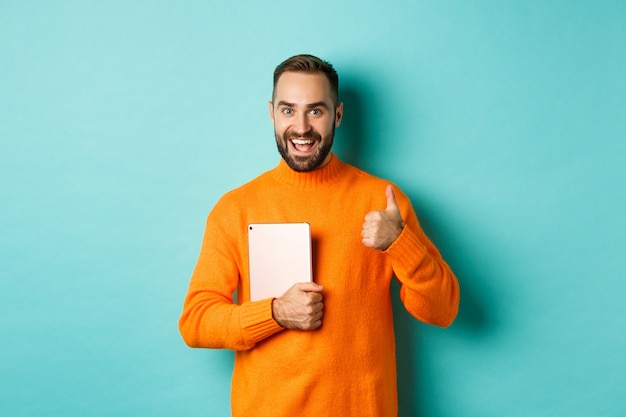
(328,173)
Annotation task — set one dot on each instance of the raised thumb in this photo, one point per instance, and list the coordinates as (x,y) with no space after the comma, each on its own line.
(392,204)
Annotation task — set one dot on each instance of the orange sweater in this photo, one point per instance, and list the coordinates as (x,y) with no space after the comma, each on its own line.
(347,367)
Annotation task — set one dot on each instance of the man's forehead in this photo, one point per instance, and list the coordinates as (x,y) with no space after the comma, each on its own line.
(302,87)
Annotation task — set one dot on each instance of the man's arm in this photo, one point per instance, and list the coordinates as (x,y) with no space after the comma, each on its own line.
(211,319)
(430,291)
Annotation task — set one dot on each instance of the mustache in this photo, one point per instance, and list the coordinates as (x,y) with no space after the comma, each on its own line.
(307,135)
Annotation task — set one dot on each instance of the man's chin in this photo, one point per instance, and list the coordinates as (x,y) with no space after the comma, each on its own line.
(301,163)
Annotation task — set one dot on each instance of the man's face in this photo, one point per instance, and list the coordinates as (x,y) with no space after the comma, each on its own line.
(304,116)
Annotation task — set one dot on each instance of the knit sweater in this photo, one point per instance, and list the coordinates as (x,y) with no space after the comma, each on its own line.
(347,367)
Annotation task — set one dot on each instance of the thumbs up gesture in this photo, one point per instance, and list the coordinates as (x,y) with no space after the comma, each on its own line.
(382,227)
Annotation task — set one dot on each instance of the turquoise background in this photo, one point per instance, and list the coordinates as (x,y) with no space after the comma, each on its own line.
(122,123)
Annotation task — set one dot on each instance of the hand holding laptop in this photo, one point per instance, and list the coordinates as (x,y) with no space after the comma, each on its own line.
(300,308)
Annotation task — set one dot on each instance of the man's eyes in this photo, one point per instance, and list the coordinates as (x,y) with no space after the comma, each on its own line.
(314,112)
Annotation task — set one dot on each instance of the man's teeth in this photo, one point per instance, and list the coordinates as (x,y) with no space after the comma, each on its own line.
(302,141)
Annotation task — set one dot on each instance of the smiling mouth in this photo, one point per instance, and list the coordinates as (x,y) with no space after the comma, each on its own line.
(302,145)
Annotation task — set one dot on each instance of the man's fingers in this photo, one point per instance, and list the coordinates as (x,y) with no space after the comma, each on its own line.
(308,287)
(382,227)
(300,307)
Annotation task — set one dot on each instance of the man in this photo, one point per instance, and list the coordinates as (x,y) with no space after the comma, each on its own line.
(324,348)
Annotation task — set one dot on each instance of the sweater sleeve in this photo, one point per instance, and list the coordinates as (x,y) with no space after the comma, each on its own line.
(429,288)
(210,318)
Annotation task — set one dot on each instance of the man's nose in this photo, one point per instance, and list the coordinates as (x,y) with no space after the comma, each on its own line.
(301,124)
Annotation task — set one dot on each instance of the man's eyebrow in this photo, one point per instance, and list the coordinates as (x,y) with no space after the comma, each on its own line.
(310,106)
(318,104)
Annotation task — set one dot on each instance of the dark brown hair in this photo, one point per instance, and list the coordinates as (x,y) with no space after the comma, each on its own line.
(310,64)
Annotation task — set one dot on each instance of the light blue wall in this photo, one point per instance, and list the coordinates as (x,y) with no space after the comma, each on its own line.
(121,123)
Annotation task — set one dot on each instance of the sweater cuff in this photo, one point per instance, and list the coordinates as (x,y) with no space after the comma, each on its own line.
(257,321)
(407,251)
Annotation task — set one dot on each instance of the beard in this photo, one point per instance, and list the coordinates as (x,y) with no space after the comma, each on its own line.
(305,163)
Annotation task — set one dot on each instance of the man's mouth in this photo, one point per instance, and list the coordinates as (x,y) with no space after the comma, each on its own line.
(302,145)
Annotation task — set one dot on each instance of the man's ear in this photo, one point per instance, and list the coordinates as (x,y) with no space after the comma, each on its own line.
(271,106)
(338,114)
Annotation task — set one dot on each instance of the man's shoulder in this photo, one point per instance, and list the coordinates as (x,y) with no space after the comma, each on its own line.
(363,176)
(255,183)
(365,180)
(247,190)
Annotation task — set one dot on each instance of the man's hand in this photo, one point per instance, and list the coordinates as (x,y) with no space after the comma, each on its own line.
(382,227)
(300,308)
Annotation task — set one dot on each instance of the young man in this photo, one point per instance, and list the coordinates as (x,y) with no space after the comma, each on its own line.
(324,347)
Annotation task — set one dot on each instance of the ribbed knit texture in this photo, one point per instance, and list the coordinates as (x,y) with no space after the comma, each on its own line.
(347,367)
